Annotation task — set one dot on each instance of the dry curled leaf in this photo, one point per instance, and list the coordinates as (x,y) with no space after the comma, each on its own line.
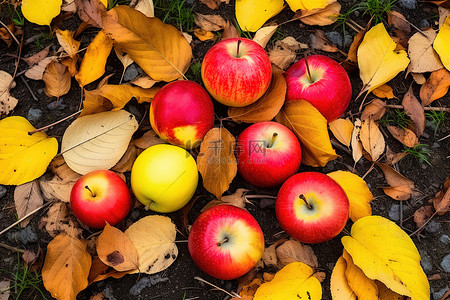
(375,110)
(27,197)
(59,220)
(422,215)
(57,79)
(216,161)
(404,135)
(203,35)
(36,71)
(294,251)
(149,138)
(441,201)
(99,271)
(91,11)
(400,188)
(342,129)
(321,16)
(210,22)
(230,32)
(357,148)
(144,6)
(414,110)
(371,138)
(62,170)
(264,34)
(56,189)
(284,53)
(7,102)
(421,52)
(397,20)
(320,42)
(435,87)
(384,91)
(34,59)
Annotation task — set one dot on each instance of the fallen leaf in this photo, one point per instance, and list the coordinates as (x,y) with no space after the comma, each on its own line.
(91,11)
(375,110)
(7,102)
(210,22)
(321,16)
(251,15)
(340,289)
(421,52)
(386,253)
(441,43)
(154,239)
(371,138)
(99,271)
(269,256)
(342,129)
(378,60)
(124,58)
(397,20)
(27,197)
(360,284)
(56,189)
(384,91)
(320,42)
(404,135)
(264,34)
(144,6)
(392,158)
(149,138)
(159,49)
(24,157)
(419,78)
(66,267)
(266,107)
(237,198)
(359,195)
(295,280)
(4,289)
(66,40)
(353,50)
(36,71)
(216,161)
(443,13)
(310,127)
(249,289)
(97,141)
(144,82)
(283,53)
(116,250)
(414,110)
(94,61)
(422,215)
(435,87)
(127,160)
(357,148)
(401,187)
(212,4)
(7,38)
(385,293)
(294,251)
(203,35)
(62,170)
(57,79)
(58,220)
(34,59)
(41,12)
(441,201)
(230,32)
(308,4)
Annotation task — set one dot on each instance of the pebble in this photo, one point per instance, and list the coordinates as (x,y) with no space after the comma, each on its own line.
(109,294)
(34,114)
(40,91)
(445,239)
(424,24)
(146,282)
(131,73)
(425,262)
(439,294)
(57,104)
(435,145)
(445,263)
(408,4)
(24,236)
(335,38)
(433,226)
(394,212)
(2,191)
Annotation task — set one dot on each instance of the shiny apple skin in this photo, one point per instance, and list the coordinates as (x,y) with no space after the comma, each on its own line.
(329,213)
(236,80)
(233,258)
(331,91)
(265,166)
(181,113)
(112,201)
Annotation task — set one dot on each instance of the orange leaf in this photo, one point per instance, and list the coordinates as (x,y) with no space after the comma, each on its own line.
(57,79)
(435,87)
(320,42)
(401,187)
(384,91)
(371,138)
(321,16)
(342,129)
(203,35)
(414,110)
(375,109)
(404,135)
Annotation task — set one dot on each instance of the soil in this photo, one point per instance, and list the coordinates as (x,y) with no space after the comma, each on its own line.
(177,282)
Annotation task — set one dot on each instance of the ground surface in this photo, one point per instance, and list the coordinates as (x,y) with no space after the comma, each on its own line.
(178,280)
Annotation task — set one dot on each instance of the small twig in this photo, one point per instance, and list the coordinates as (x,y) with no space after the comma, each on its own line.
(424,224)
(24,217)
(29,88)
(15,249)
(337,145)
(445,137)
(9,31)
(355,24)
(259,196)
(445,109)
(18,59)
(368,171)
(55,123)
(232,294)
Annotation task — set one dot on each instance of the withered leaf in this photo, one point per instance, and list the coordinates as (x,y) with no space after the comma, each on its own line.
(34,59)
(415,111)
(404,135)
(57,79)
(420,50)
(27,197)
(56,189)
(357,148)
(422,214)
(90,12)
(371,138)
(58,220)
(126,161)
(62,170)
(292,251)
(150,138)
(210,22)
(321,16)
(320,42)
(229,31)
(375,110)
(435,87)
(441,201)
(384,91)
(400,188)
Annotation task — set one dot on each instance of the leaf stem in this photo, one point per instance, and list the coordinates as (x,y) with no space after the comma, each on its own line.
(237,48)
(274,136)
(445,109)
(308,72)
(306,202)
(55,123)
(92,193)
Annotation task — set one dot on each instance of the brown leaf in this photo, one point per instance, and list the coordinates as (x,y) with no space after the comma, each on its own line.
(414,110)
(267,107)
(420,50)
(91,11)
(270,257)
(216,161)
(58,220)
(204,35)
(384,91)
(210,22)
(371,138)
(392,158)
(284,53)
(400,188)
(57,79)
(99,271)
(422,215)
(375,110)
(264,34)
(237,199)
(419,78)
(212,4)
(34,59)
(404,135)
(62,170)
(357,148)
(435,87)
(249,290)
(27,197)
(441,201)
(127,160)
(150,138)
(292,251)
(6,36)
(321,16)
(320,42)
(353,50)
(66,267)
(397,20)
(230,31)
(7,102)
(144,82)
(36,71)
(116,250)
(56,189)
(443,13)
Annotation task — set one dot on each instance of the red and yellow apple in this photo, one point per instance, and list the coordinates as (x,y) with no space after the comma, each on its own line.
(226,241)
(236,71)
(326,86)
(164,177)
(312,207)
(182,113)
(267,153)
(100,196)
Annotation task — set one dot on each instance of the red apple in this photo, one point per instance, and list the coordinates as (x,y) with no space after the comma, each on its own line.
(236,72)
(267,153)
(327,87)
(312,207)
(225,241)
(100,196)
(182,113)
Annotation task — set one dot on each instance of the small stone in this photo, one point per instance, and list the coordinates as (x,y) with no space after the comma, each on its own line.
(146,282)
(24,236)
(356,13)
(433,226)
(439,294)
(335,38)
(424,24)
(408,4)
(130,73)
(394,212)
(435,145)
(425,262)
(34,114)
(348,39)
(445,264)
(109,294)
(57,104)
(444,239)
(40,91)
(2,191)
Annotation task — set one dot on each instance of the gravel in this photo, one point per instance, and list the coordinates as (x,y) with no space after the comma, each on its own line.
(394,212)
(408,4)
(34,114)
(445,239)
(445,264)
(433,226)
(146,282)
(2,191)
(438,295)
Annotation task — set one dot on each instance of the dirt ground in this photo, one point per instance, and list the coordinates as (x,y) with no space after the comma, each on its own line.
(177,282)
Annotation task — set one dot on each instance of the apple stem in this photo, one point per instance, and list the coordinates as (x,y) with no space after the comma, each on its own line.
(274,136)
(306,202)
(237,48)
(87,187)
(222,242)
(308,72)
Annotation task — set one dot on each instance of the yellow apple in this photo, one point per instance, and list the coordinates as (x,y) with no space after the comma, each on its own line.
(164,177)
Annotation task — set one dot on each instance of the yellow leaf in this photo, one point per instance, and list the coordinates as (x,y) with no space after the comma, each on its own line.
(378,60)
(23,157)
(97,141)
(66,40)
(442,43)
(340,290)
(154,239)
(384,91)
(41,12)
(310,127)
(361,285)
(159,49)
(294,281)
(357,192)
(386,253)
(308,4)
(371,138)
(66,267)
(216,161)
(342,129)
(251,15)
(94,61)
(203,35)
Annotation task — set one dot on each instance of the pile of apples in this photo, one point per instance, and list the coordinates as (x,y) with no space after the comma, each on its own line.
(226,241)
